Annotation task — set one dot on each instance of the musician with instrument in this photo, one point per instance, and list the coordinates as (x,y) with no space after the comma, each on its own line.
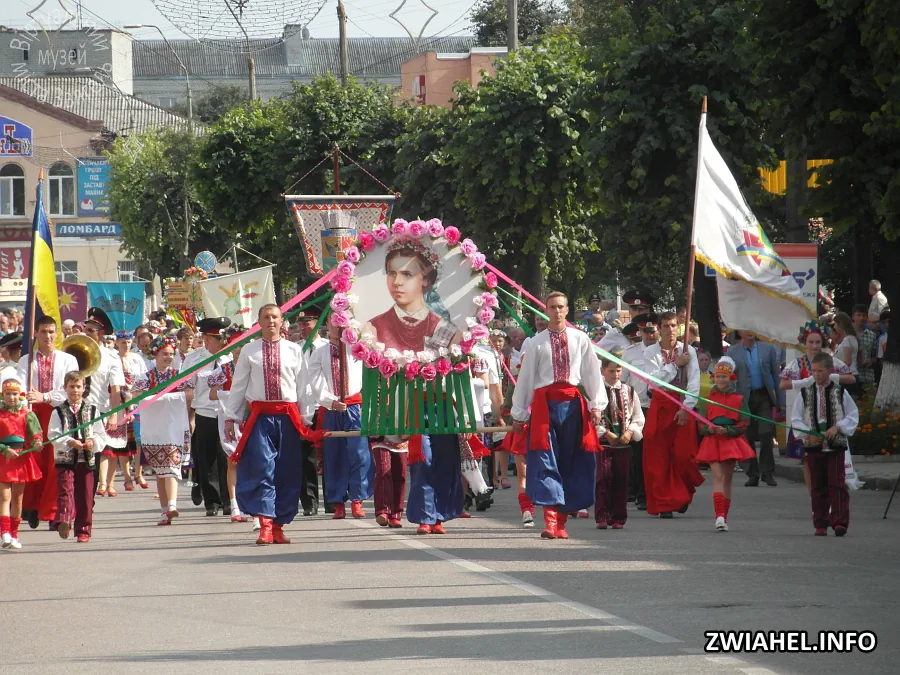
(49,366)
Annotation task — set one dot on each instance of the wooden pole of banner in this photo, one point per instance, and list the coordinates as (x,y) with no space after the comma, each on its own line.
(354,434)
(692,259)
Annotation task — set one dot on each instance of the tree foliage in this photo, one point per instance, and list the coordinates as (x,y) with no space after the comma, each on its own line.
(151,194)
(536,19)
(214,102)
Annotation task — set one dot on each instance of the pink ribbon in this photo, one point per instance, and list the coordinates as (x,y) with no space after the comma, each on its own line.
(656,388)
(293,302)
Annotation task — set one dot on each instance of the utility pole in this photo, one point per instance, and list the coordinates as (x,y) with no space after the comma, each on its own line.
(512,26)
(342,27)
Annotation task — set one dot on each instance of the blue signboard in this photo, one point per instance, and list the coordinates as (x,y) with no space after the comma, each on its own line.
(708,271)
(93,179)
(16,139)
(88,230)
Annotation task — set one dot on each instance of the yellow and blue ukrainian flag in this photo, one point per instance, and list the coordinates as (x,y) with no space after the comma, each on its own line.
(43,296)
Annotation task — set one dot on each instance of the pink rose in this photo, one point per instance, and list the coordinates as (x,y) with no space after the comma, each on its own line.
(486,315)
(490,280)
(352,254)
(479,332)
(478,261)
(387,368)
(341,284)
(346,268)
(417,228)
(428,372)
(443,367)
(400,228)
(451,234)
(349,337)
(411,370)
(467,346)
(340,302)
(381,233)
(488,300)
(460,367)
(366,241)
(359,351)
(373,359)
(435,228)
(468,247)
(340,319)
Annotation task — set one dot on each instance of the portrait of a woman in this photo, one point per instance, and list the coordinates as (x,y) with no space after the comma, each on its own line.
(418,319)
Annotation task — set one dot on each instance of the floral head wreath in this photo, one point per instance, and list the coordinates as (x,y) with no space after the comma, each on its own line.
(12,384)
(232,332)
(725,366)
(417,247)
(124,335)
(812,326)
(161,342)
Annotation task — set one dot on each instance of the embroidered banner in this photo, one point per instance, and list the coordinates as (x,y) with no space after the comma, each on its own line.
(238,296)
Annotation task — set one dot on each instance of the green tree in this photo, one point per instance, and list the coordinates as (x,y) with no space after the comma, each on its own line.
(152,195)
(214,102)
(518,168)
(535,18)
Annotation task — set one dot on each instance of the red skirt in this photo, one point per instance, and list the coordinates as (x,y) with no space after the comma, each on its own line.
(515,443)
(22,469)
(722,448)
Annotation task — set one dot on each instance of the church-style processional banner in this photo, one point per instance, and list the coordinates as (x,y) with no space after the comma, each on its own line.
(327,224)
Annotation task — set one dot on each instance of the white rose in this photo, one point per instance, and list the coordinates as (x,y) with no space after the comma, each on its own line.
(442,351)
(455,350)
(368,338)
(391,354)
(471,321)
(478,300)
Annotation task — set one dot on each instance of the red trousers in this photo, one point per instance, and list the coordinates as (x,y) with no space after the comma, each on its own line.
(76,497)
(829,489)
(670,468)
(390,481)
(40,495)
(611,496)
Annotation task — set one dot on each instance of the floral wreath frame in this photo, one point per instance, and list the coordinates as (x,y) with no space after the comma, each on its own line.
(426,364)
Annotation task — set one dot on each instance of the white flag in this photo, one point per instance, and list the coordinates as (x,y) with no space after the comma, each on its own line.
(238,296)
(756,289)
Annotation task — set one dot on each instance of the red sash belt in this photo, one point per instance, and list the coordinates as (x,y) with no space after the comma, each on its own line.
(540,416)
(258,408)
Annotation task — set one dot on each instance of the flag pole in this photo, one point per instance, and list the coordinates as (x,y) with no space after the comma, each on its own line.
(31,293)
(693,255)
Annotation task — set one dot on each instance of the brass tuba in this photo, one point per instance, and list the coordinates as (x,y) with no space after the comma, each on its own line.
(85,351)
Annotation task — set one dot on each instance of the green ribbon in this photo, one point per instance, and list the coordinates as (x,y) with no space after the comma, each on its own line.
(191,370)
(519,320)
(307,346)
(660,383)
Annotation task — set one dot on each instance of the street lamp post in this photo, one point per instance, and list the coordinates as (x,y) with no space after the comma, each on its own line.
(187,75)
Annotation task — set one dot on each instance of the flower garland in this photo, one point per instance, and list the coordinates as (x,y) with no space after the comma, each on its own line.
(426,364)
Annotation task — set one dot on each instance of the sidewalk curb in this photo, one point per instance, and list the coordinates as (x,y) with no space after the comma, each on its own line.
(795,473)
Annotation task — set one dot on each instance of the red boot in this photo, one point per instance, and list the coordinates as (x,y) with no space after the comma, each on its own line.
(424,528)
(550,520)
(356,510)
(438,528)
(265,532)
(340,512)
(278,535)
(561,526)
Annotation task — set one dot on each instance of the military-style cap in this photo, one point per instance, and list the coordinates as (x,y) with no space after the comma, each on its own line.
(639,297)
(101,319)
(214,325)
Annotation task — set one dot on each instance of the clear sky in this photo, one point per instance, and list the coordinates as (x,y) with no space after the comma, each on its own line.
(365,17)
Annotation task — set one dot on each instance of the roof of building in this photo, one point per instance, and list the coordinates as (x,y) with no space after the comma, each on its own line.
(85,97)
(368,57)
(18,96)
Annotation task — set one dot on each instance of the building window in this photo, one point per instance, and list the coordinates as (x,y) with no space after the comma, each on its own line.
(128,270)
(62,190)
(12,190)
(25,55)
(67,271)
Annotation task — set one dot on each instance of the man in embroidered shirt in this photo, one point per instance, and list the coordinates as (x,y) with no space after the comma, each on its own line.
(561,466)
(48,371)
(828,410)
(270,377)
(670,435)
(312,465)
(336,382)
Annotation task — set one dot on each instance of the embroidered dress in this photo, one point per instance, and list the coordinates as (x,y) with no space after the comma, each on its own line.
(222,377)
(733,445)
(124,431)
(164,424)
(19,430)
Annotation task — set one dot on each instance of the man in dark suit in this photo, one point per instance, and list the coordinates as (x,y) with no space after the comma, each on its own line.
(758,372)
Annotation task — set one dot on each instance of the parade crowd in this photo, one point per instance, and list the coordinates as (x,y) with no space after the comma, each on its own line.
(249,429)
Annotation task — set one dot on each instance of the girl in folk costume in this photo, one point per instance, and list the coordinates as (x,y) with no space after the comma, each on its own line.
(73,449)
(723,441)
(516,444)
(20,442)
(133,367)
(164,424)
(798,374)
(220,390)
(623,423)
(825,416)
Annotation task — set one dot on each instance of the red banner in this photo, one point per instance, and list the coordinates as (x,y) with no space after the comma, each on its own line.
(73,301)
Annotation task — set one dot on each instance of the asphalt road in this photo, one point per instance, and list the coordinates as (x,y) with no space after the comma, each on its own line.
(488,597)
